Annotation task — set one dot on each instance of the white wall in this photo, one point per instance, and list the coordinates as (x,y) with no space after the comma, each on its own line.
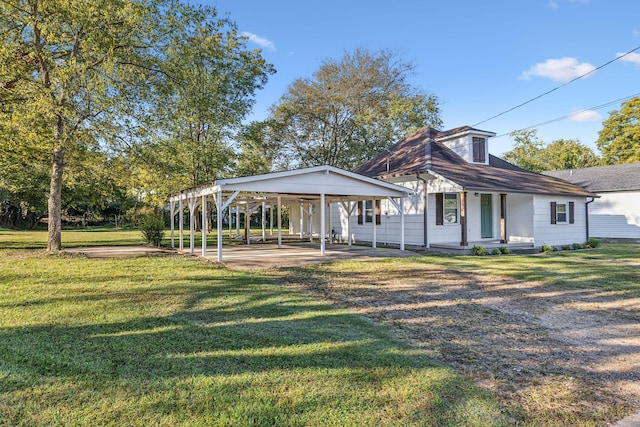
(520,218)
(546,233)
(615,215)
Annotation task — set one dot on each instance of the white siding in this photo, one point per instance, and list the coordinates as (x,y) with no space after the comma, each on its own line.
(546,233)
(615,215)
(520,218)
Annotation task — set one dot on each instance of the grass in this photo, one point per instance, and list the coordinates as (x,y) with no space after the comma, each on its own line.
(610,267)
(173,341)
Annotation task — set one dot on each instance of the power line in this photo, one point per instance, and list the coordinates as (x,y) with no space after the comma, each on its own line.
(556,88)
(569,115)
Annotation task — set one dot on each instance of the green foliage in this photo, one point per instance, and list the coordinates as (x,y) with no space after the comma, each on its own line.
(152,228)
(256,155)
(504,250)
(479,250)
(496,251)
(592,243)
(619,139)
(532,154)
(577,246)
(350,110)
(546,249)
(566,247)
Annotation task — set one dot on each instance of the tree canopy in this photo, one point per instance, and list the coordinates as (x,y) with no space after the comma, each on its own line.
(531,153)
(619,138)
(80,77)
(349,110)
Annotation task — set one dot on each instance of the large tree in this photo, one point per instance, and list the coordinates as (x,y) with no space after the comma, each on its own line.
(80,72)
(351,109)
(619,139)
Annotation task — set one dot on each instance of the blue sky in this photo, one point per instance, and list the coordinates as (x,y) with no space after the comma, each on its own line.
(479,57)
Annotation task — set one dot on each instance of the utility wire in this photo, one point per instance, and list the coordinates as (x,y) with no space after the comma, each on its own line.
(569,115)
(557,87)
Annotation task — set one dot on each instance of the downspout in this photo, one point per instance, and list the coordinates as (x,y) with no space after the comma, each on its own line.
(586,213)
(425,211)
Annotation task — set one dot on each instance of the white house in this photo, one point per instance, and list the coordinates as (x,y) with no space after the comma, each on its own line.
(464,196)
(616,214)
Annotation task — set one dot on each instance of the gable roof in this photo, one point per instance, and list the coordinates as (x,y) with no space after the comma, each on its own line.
(423,153)
(625,177)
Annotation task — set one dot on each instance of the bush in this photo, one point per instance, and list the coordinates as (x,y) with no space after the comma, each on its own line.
(479,250)
(504,250)
(577,246)
(153,229)
(592,243)
(566,247)
(496,251)
(546,249)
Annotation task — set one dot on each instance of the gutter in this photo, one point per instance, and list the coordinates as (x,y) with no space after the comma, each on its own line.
(586,212)
(425,211)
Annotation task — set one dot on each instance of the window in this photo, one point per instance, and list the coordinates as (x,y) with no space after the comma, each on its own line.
(562,213)
(446,208)
(365,212)
(479,149)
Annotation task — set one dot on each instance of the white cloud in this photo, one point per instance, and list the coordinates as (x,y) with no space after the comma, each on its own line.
(260,41)
(558,70)
(632,57)
(585,116)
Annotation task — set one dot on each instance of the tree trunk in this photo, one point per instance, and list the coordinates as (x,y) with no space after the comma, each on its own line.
(54,240)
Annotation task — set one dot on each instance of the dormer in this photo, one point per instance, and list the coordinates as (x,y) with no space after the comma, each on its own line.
(468,143)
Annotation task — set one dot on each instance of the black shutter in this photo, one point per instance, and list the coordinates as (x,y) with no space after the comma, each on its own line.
(554,219)
(439,208)
(360,214)
(572,210)
(378,212)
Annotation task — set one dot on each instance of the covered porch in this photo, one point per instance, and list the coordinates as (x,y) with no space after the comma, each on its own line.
(318,186)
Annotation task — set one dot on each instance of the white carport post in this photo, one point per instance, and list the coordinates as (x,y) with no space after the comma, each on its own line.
(322,223)
(173,220)
(280,221)
(204,225)
(374,239)
(264,222)
(220,209)
(181,221)
(193,204)
(348,207)
(271,219)
(400,207)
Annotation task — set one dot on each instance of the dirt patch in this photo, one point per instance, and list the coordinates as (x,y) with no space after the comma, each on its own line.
(554,356)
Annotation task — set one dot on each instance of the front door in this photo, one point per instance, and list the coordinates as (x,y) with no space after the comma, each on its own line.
(486,216)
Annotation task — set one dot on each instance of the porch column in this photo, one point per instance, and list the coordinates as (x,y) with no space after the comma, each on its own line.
(280,221)
(329,226)
(322,223)
(374,239)
(463,219)
(181,221)
(271,219)
(503,218)
(173,220)
(204,225)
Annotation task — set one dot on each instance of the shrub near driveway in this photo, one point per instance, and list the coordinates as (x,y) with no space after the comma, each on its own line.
(174,341)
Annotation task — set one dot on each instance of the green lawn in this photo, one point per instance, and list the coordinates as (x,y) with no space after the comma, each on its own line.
(610,267)
(174,341)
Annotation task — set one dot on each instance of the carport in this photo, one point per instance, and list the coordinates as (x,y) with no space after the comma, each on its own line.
(322,185)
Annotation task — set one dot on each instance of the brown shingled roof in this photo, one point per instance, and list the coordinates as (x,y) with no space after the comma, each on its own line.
(421,153)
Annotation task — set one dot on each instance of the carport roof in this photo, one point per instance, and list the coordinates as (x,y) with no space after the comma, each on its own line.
(334,183)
